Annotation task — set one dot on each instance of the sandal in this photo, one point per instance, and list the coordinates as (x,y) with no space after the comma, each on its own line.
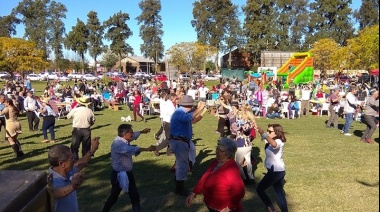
(45,141)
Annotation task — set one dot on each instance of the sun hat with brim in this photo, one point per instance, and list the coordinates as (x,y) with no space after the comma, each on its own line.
(83,100)
(187,101)
(45,100)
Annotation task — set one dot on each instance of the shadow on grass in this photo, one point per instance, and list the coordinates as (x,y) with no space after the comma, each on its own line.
(368,184)
(99,126)
(358,133)
(61,125)
(155,184)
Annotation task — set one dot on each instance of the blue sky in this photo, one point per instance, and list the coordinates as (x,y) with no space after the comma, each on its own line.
(176,16)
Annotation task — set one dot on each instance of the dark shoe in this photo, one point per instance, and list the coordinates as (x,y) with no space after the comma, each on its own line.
(172,169)
(15,150)
(180,188)
(249,182)
(156,153)
(20,154)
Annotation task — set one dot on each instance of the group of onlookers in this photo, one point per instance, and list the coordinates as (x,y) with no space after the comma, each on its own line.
(181,104)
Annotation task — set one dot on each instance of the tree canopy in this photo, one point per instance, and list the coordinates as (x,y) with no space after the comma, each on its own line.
(18,55)
(151,29)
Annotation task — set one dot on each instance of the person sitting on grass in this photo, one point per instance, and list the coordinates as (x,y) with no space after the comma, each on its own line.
(273,111)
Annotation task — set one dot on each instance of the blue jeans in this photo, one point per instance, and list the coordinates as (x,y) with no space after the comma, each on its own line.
(273,115)
(48,124)
(275,179)
(349,119)
(181,151)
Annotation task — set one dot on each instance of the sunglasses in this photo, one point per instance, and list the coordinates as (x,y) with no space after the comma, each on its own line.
(270,131)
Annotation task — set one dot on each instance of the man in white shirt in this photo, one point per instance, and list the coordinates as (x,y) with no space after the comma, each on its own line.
(203,91)
(192,92)
(31,106)
(305,100)
(83,119)
(174,86)
(166,113)
(349,109)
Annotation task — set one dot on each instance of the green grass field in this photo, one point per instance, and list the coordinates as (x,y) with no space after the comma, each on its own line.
(326,171)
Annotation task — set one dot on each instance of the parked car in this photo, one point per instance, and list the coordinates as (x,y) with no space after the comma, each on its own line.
(138,75)
(147,76)
(52,76)
(218,75)
(160,77)
(211,77)
(5,75)
(34,77)
(75,76)
(184,77)
(344,78)
(89,77)
(63,78)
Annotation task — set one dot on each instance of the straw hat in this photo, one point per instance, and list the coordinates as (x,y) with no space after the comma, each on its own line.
(45,100)
(83,100)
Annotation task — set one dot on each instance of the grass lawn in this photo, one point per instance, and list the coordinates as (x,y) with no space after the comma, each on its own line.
(326,171)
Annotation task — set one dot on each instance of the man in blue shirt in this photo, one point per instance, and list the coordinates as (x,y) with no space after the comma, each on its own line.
(181,132)
(67,175)
(122,178)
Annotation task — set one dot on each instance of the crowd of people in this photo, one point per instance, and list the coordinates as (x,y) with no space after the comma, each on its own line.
(236,104)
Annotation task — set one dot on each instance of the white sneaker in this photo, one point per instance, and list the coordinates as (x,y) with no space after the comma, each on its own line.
(347,134)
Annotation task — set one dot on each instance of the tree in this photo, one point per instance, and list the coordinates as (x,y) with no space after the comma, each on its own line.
(8,25)
(57,29)
(283,23)
(184,56)
(202,53)
(77,40)
(18,55)
(109,60)
(95,37)
(323,51)
(368,13)
(259,14)
(118,32)
(151,30)
(234,34)
(210,22)
(35,14)
(298,28)
(330,19)
(365,48)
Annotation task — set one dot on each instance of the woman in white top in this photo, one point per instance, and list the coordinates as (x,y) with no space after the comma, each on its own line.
(275,141)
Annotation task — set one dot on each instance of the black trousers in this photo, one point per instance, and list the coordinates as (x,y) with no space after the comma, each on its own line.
(80,135)
(2,122)
(33,120)
(115,192)
(222,122)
